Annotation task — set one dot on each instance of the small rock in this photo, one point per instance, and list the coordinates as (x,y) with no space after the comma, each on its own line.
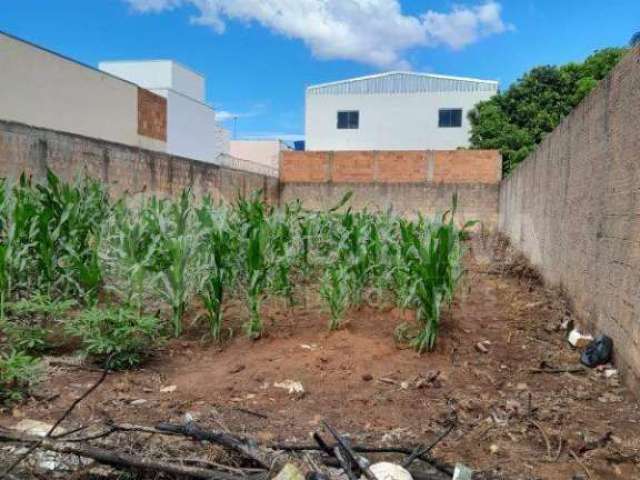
(169,389)
(494,449)
(610,372)
(522,387)
(35,427)
(482,346)
(140,401)
(462,472)
(237,369)
(404,385)
(389,471)
(367,377)
(289,472)
(578,340)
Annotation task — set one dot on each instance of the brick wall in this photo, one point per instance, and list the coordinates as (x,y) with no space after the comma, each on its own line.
(450,166)
(152,115)
(573,207)
(128,170)
(407,181)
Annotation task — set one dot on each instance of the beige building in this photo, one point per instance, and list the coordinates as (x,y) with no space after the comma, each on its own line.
(263,152)
(44,89)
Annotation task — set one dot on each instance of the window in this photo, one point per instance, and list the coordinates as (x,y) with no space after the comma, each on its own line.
(450,117)
(348,120)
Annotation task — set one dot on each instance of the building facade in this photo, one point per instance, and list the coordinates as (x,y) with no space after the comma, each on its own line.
(393,111)
(262,151)
(44,89)
(192,131)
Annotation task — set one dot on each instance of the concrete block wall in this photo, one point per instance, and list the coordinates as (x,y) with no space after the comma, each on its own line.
(410,182)
(573,207)
(127,170)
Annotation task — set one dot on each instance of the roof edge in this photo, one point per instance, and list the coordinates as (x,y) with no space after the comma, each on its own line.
(404,72)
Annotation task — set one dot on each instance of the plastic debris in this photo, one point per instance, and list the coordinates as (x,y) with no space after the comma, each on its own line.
(598,352)
(462,472)
(289,472)
(294,388)
(389,471)
(578,340)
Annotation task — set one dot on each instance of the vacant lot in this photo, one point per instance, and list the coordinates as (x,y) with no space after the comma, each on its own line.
(513,417)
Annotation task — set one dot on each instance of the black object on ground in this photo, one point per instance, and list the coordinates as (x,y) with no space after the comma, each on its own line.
(598,352)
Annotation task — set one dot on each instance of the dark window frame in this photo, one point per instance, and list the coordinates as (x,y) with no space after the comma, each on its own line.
(450,121)
(350,121)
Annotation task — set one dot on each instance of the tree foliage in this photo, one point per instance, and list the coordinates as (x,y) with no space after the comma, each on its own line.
(516,120)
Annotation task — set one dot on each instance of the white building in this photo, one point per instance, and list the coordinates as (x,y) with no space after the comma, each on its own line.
(192,130)
(263,151)
(393,111)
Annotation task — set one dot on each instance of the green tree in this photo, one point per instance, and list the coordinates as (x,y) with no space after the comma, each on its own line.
(516,120)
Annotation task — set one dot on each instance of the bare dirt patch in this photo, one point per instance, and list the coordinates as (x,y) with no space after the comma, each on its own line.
(511,419)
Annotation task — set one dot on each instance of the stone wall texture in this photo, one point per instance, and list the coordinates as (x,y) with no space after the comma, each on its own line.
(409,182)
(573,207)
(127,170)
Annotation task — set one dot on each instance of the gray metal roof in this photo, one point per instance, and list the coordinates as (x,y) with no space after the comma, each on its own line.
(403,82)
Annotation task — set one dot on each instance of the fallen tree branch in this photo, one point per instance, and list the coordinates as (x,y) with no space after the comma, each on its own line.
(64,416)
(114,459)
(423,450)
(247,448)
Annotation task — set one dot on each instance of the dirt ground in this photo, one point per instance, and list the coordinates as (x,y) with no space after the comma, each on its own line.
(510,419)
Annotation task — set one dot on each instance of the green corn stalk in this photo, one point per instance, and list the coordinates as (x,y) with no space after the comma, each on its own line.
(335,292)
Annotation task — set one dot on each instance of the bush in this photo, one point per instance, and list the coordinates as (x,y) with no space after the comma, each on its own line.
(28,323)
(18,373)
(119,335)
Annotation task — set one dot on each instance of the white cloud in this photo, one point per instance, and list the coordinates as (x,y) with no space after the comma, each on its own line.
(375,32)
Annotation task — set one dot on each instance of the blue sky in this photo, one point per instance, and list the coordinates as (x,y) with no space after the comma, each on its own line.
(259,55)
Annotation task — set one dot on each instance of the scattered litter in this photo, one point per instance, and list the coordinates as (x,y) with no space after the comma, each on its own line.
(404,385)
(494,449)
(462,472)
(289,472)
(306,346)
(578,340)
(598,352)
(610,372)
(140,401)
(390,381)
(389,471)
(169,389)
(294,387)
(482,346)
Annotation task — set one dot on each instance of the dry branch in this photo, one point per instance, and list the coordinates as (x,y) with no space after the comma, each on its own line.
(114,459)
(247,448)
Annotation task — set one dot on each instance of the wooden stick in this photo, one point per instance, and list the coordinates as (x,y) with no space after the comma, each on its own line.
(245,448)
(115,459)
(420,451)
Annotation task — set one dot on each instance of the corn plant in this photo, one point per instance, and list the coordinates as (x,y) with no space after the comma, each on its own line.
(218,248)
(334,289)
